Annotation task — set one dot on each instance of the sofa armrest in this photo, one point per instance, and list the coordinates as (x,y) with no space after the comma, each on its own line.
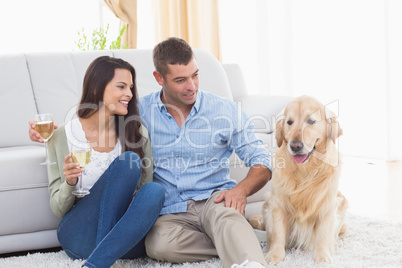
(262,110)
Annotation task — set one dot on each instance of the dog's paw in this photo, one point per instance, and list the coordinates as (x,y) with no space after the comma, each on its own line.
(257,222)
(343,229)
(275,256)
(322,258)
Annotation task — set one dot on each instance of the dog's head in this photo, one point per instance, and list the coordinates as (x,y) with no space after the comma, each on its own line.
(306,126)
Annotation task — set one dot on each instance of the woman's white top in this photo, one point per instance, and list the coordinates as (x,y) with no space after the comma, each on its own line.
(99,161)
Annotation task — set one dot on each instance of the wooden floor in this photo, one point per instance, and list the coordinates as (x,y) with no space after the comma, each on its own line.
(373,187)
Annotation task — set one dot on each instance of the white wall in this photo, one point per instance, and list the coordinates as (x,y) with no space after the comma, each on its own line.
(346,53)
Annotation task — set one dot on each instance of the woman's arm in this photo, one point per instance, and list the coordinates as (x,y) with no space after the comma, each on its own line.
(61,197)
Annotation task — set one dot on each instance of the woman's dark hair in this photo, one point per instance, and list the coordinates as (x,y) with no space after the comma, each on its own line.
(99,73)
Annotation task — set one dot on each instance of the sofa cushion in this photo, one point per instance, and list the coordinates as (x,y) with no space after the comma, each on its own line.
(212,75)
(24,188)
(16,100)
(23,165)
(143,64)
(81,61)
(28,241)
(263,110)
(57,80)
(23,218)
(54,83)
(236,80)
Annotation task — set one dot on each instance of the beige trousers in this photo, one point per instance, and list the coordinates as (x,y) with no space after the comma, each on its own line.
(207,230)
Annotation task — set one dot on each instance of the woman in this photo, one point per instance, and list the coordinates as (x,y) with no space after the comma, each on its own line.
(109,223)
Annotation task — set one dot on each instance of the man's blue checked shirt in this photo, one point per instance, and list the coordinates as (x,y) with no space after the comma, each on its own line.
(193,161)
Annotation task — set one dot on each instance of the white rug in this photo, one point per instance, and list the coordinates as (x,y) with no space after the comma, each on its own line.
(367,243)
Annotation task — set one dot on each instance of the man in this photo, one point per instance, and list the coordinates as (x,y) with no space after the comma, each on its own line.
(193,133)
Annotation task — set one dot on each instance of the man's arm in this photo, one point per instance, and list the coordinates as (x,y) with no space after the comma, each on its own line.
(256,178)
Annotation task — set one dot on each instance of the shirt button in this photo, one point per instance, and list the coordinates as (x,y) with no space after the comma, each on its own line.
(177,178)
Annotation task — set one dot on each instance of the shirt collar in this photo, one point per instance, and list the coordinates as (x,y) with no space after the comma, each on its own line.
(197,103)
(161,105)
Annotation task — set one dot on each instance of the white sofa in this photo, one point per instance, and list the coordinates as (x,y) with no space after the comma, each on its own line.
(52,82)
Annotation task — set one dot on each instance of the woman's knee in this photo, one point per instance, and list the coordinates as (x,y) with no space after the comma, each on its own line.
(72,249)
(154,188)
(125,170)
(129,160)
(153,192)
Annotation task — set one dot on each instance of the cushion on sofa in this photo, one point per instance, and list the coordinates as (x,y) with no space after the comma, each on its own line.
(144,68)
(59,91)
(54,83)
(81,61)
(212,75)
(29,185)
(263,110)
(16,101)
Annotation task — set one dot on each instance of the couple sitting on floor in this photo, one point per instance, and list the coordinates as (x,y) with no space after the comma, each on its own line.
(146,201)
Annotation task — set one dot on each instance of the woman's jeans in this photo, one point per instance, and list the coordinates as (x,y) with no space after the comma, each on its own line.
(110,223)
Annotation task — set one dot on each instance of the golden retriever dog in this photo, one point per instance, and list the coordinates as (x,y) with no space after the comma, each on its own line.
(304,208)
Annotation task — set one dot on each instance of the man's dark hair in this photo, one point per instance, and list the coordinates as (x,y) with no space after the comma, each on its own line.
(171,51)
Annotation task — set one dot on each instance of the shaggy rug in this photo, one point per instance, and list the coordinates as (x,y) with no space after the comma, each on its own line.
(367,243)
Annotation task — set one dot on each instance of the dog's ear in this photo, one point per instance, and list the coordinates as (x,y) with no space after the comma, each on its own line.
(333,128)
(279,130)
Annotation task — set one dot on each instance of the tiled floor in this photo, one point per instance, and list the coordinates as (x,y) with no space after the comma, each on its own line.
(373,187)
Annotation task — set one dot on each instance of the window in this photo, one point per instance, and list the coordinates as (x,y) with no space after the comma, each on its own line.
(45,25)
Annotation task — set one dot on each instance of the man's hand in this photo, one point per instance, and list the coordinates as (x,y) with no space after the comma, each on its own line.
(234,198)
(33,134)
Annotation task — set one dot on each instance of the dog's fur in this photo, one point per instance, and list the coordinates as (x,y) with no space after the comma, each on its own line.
(304,208)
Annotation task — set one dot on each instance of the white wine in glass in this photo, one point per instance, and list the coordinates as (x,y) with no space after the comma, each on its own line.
(44,126)
(81,154)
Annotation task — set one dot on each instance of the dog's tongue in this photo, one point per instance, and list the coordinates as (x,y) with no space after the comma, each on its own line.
(299,158)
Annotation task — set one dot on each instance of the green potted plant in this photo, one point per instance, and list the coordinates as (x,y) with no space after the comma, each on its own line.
(99,40)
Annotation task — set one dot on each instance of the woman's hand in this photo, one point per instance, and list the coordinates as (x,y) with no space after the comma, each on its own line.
(71,171)
(33,134)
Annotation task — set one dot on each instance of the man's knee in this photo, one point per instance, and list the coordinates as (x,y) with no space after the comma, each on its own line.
(218,213)
(158,246)
(223,220)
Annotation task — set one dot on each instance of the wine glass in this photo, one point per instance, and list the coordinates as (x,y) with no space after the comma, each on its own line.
(81,153)
(44,126)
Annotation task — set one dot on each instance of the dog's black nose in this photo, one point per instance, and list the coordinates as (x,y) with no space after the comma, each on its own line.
(296,146)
